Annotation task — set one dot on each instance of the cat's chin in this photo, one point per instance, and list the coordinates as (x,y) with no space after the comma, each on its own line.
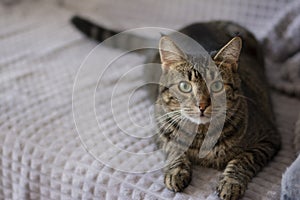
(199,121)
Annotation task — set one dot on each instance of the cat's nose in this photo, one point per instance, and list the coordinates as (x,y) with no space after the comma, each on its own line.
(202,107)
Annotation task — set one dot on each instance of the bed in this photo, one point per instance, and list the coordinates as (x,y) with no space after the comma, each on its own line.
(45,155)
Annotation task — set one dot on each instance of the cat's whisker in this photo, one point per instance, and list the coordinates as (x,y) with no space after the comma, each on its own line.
(175,111)
(175,119)
(182,122)
(168,114)
(169,117)
(170,120)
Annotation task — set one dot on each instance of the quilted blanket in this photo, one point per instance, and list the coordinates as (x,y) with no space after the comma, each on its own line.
(52,140)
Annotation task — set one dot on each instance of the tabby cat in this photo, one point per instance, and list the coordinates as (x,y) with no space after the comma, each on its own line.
(249,138)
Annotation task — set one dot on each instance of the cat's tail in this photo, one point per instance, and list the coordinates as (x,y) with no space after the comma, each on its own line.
(92,30)
(124,41)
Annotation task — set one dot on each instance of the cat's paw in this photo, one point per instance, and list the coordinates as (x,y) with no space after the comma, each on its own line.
(230,188)
(177,179)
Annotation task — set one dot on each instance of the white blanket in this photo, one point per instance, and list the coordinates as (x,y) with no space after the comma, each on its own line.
(42,156)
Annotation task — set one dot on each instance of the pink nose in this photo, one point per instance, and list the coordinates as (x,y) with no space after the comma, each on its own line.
(202,106)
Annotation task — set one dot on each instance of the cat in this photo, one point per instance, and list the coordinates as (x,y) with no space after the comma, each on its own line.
(249,138)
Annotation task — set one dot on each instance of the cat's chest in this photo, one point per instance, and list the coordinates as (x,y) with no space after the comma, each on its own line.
(217,156)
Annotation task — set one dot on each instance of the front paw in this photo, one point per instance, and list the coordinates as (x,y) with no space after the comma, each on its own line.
(177,179)
(230,189)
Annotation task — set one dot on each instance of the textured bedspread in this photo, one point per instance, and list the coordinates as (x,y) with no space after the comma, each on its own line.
(41,153)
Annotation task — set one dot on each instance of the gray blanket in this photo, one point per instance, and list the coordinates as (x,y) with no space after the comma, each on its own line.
(283,51)
(43,153)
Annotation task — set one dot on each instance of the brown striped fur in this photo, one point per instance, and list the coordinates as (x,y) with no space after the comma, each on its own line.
(249,138)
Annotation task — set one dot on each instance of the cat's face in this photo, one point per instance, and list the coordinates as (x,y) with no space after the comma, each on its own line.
(189,86)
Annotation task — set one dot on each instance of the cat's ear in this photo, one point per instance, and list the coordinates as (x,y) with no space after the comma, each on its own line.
(230,52)
(170,53)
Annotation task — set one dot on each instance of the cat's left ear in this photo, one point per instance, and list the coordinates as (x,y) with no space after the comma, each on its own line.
(170,53)
(230,52)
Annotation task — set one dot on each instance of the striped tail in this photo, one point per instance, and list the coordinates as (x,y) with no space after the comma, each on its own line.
(91,29)
(125,41)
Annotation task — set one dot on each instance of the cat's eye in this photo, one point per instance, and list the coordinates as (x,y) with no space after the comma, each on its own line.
(217,86)
(185,87)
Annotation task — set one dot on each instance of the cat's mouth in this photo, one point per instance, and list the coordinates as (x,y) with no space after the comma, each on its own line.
(197,118)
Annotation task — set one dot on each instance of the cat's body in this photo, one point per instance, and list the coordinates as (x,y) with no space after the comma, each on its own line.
(249,138)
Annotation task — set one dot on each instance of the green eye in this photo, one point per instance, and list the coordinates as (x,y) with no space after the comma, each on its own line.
(185,87)
(216,86)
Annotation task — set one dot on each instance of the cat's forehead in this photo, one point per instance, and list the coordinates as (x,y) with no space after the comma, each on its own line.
(201,63)
(202,67)
(198,60)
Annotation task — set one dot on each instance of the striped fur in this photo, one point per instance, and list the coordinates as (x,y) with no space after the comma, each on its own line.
(92,30)
(249,138)
(128,41)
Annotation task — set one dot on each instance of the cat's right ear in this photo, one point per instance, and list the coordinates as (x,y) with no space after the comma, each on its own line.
(231,51)
(170,53)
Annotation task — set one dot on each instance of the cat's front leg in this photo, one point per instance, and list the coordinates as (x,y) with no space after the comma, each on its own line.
(237,174)
(240,170)
(231,188)
(178,172)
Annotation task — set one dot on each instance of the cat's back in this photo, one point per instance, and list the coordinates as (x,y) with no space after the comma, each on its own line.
(214,35)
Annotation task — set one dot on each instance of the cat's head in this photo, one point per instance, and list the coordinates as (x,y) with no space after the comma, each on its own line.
(189,84)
